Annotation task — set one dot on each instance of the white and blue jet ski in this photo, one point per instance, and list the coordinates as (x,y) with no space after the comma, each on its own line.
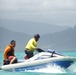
(41,60)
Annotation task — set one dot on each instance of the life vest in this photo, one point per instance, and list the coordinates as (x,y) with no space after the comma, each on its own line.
(11,52)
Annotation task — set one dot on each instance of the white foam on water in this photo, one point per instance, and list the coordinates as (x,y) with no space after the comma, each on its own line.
(50,69)
(72,68)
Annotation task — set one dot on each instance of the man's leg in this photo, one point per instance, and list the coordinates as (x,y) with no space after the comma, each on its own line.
(12,59)
(29,53)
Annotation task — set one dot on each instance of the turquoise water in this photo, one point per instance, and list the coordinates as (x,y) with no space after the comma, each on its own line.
(50,70)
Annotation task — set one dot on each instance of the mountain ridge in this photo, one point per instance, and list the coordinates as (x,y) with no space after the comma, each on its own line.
(59,41)
(6,36)
(31,27)
(64,40)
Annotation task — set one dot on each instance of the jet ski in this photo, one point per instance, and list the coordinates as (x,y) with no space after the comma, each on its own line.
(41,60)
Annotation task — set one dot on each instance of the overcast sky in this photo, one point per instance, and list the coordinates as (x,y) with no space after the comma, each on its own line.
(58,12)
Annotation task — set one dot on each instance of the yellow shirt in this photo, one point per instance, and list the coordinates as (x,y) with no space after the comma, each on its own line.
(31,45)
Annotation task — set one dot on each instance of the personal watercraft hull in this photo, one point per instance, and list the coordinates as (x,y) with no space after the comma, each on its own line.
(40,61)
(63,64)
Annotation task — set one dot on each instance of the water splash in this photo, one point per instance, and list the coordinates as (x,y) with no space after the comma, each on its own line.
(49,69)
(72,68)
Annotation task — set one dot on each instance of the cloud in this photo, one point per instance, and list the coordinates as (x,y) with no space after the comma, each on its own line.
(38,10)
(37,4)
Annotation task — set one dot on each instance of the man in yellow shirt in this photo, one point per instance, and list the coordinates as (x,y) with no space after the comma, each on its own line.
(9,56)
(32,46)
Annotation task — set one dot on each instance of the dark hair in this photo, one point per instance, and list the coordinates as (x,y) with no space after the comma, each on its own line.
(12,41)
(36,36)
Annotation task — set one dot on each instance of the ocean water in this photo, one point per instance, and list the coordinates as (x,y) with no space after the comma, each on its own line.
(50,70)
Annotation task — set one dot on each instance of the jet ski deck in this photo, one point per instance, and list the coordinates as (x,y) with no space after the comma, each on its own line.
(41,60)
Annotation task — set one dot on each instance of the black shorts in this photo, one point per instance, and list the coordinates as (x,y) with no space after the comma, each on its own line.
(29,53)
(6,62)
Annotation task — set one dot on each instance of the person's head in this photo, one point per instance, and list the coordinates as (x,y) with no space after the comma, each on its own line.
(36,36)
(13,43)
